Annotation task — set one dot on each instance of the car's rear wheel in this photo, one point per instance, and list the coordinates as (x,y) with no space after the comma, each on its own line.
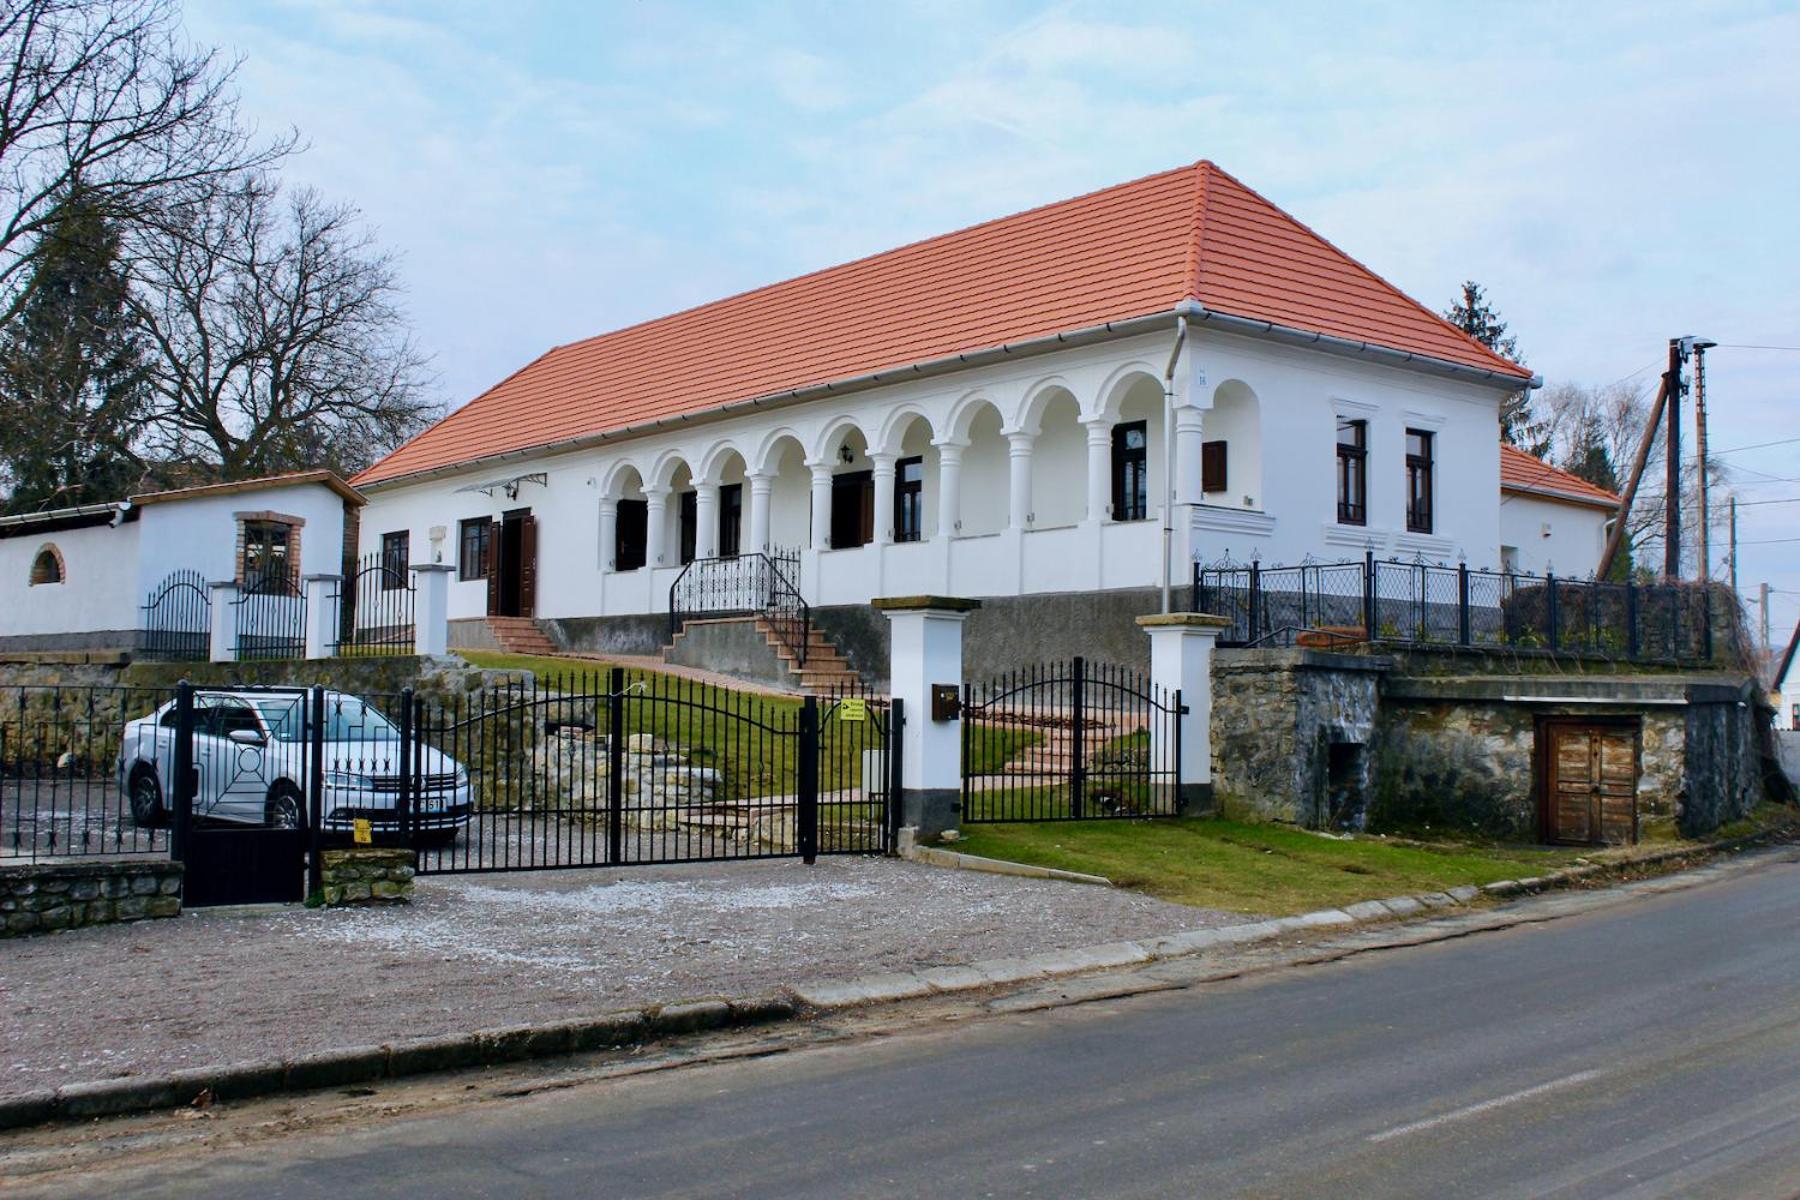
(283,809)
(145,795)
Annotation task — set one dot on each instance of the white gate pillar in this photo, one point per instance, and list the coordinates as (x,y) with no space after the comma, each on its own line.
(881,469)
(760,487)
(925,674)
(324,604)
(1099,470)
(431,609)
(1181,651)
(821,505)
(222,637)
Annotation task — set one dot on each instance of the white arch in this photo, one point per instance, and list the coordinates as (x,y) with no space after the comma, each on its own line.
(613,486)
(834,433)
(964,412)
(1030,417)
(894,428)
(712,463)
(768,450)
(662,474)
(1111,393)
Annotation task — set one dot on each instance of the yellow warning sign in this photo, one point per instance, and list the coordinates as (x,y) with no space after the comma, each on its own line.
(362,831)
(853,710)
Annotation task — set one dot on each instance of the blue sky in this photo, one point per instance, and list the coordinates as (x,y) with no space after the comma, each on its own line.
(1614,174)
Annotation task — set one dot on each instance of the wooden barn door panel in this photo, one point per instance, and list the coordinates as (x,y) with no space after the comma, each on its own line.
(1590,783)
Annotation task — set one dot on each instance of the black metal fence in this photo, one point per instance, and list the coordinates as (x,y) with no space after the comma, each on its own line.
(1070,741)
(177,619)
(1418,603)
(767,585)
(64,789)
(375,610)
(269,620)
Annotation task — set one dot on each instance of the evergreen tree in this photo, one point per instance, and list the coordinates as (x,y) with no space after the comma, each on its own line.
(1476,316)
(72,381)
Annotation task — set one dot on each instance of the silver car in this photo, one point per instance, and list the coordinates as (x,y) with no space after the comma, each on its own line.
(253,757)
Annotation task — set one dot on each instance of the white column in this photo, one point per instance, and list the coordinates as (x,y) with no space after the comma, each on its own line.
(821,505)
(881,468)
(706,518)
(656,532)
(609,532)
(324,602)
(1189,436)
(431,610)
(1020,447)
(949,514)
(1181,652)
(925,655)
(223,635)
(760,487)
(1099,469)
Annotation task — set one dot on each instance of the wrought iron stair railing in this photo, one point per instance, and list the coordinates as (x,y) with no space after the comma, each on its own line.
(761,584)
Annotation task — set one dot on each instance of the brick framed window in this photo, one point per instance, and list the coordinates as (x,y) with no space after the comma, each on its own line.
(268,551)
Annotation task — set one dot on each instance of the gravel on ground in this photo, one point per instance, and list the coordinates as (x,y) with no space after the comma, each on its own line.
(485,951)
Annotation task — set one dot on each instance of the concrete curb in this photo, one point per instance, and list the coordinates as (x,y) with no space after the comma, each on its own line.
(358,1065)
(937,856)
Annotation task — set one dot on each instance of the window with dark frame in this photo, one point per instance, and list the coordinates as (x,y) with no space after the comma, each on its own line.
(689,530)
(1213,459)
(1131,471)
(266,567)
(731,519)
(1352,471)
(473,538)
(631,535)
(1419,471)
(395,551)
(909,500)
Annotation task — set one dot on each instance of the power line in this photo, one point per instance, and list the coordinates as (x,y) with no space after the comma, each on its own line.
(1749,346)
(1770,541)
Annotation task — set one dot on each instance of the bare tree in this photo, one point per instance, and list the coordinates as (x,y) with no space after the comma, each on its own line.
(274,332)
(104,98)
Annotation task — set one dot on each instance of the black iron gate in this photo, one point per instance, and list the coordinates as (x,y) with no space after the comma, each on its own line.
(616,768)
(177,619)
(375,609)
(1070,740)
(269,619)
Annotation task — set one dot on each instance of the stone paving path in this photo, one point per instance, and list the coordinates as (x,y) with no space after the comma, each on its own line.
(483,951)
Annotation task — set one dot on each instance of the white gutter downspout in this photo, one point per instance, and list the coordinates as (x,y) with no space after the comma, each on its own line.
(1168,505)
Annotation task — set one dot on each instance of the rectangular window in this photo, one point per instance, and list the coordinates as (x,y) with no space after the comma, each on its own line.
(631,535)
(1130,471)
(473,538)
(395,553)
(731,519)
(1419,468)
(1352,472)
(689,525)
(266,567)
(1212,466)
(909,500)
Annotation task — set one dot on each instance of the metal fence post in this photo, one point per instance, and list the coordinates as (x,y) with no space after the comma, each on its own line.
(1463,630)
(1077,759)
(315,792)
(182,802)
(1175,715)
(408,735)
(615,766)
(1368,583)
(1551,629)
(1631,619)
(806,824)
(1255,630)
(896,779)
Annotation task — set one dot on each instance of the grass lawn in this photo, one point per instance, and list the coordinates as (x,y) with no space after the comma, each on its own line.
(1270,869)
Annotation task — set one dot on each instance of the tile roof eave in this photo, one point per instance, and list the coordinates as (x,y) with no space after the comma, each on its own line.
(1545,493)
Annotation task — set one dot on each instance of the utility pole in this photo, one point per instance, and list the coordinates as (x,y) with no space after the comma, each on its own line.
(1672,450)
(1700,346)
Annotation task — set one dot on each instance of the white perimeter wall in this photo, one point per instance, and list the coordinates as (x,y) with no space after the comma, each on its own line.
(1284,444)
(99,589)
(1550,535)
(200,533)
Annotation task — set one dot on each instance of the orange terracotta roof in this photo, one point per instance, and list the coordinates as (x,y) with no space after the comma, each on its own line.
(330,479)
(1522,472)
(1134,250)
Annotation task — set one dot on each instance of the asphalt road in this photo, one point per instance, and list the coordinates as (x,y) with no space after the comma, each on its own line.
(1650,1048)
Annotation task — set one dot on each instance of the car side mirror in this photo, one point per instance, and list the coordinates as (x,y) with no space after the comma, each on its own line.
(246,737)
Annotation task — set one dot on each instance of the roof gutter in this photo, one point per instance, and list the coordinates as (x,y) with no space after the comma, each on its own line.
(926,368)
(117,509)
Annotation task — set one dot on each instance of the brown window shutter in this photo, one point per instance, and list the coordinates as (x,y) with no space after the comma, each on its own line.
(1212,466)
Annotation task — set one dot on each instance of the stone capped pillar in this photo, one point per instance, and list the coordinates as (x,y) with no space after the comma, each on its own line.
(1099,470)
(656,525)
(706,518)
(881,470)
(924,655)
(761,486)
(431,609)
(1020,448)
(949,513)
(222,637)
(324,608)
(821,505)
(609,533)
(1181,653)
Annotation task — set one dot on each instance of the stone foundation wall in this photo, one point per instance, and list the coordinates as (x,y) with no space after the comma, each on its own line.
(366,875)
(45,897)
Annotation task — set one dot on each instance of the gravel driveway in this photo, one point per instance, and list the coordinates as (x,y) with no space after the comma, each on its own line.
(482,951)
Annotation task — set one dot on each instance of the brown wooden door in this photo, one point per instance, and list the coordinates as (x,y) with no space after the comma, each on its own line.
(1590,782)
(492,567)
(528,567)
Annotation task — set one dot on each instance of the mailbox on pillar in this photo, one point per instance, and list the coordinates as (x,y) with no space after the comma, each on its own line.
(925,671)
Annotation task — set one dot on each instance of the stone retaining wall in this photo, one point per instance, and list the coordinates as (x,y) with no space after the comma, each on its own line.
(44,897)
(366,875)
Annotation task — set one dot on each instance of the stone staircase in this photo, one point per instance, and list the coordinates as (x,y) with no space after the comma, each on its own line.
(825,672)
(520,635)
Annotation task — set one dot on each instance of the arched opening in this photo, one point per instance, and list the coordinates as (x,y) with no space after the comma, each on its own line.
(681,537)
(47,566)
(852,498)
(916,482)
(1137,451)
(631,520)
(1231,452)
(986,468)
(1058,463)
(790,497)
(733,502)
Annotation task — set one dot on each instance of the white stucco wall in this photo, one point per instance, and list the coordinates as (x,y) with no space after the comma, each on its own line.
(99,591)
(1283,406)
(200,533)
(1552,535)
